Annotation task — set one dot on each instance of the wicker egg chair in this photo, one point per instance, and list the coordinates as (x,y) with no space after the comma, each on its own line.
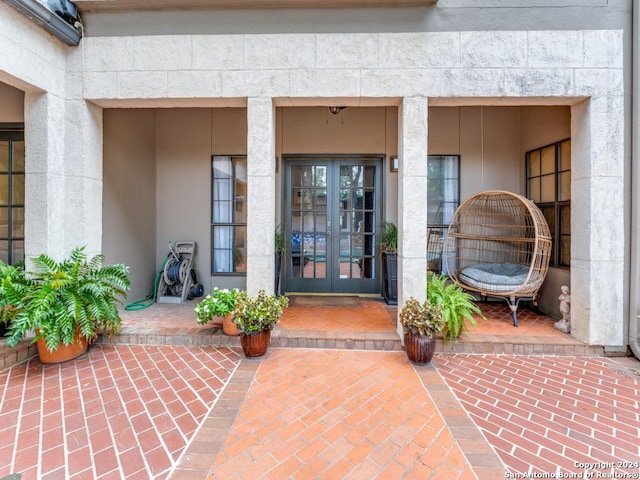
(498,244)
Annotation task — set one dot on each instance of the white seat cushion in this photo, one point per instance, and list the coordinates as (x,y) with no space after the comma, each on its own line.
(495,277)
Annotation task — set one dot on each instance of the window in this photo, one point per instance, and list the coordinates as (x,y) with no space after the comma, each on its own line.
(549,186)
(229,215)
(443,197)
(12,193)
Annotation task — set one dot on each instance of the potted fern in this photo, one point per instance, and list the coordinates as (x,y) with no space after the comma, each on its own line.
(457,305)
(65,303)
(421,322)
(255,317)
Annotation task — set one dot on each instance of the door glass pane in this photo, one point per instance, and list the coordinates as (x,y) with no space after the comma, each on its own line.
(565,155)
(17,181)
(565,251)
(308,255)
(549,214)
(564,186)
(534,189)
(222,208)
(4,157)
(17,227)
(534,164)
(222,249)
(240,191)
(17,248)
(4,251)
(548,189)
(357,201)
(548,160)
(4,189)
(4,222)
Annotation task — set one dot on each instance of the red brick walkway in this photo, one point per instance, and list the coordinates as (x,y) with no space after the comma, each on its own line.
(117,412)
(552,414)
(339,414)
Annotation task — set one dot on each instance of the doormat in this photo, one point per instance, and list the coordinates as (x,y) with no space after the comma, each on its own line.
(323,301)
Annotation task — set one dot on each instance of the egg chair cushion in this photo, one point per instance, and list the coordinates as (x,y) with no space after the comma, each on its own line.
(495,277)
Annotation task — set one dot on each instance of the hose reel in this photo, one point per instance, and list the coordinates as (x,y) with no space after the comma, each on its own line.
(178,281)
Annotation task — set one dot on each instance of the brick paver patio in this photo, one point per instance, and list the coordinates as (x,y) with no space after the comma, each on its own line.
(552,414)
(117,412)
(338,414)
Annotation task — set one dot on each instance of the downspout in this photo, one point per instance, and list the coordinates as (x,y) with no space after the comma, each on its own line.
(51,21)
(634,285)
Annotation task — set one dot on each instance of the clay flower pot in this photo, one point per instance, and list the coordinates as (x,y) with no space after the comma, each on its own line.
(255,344)
(64,352)
(419,348)
(228,327)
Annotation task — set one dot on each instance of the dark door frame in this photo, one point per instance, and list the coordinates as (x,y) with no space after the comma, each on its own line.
(335,282)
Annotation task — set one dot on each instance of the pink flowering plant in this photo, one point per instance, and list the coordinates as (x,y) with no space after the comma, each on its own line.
(219,304)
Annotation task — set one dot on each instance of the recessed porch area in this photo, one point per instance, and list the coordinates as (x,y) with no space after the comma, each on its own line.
(366,324)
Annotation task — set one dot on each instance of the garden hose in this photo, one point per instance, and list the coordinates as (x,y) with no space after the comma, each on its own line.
(151,298)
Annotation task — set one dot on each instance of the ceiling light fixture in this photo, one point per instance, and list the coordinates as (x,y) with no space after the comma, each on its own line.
(336,110)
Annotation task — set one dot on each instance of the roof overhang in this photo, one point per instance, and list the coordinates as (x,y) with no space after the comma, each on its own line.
(123,5)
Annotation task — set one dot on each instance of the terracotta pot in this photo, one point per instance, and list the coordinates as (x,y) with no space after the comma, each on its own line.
(64,352)
(255,345)
(228,327)
(419,348)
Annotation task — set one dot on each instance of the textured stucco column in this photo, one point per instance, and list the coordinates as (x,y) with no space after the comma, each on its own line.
(83,176)
(45,183)
(597,221)
(261,193)
(412,200)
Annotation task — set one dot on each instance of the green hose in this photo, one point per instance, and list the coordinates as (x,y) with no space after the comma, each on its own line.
(151,298)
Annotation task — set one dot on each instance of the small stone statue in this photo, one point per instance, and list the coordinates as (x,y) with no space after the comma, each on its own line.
(564,325)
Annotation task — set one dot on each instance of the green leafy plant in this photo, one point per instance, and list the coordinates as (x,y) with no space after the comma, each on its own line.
(258,313)
(389,238)
(456,304)
(13,275)
(219,304)
(60,299)
(280,243)
(421,318)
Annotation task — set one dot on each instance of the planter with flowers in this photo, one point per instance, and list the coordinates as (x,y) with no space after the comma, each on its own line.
(219,305)
(255,317)
(421,322)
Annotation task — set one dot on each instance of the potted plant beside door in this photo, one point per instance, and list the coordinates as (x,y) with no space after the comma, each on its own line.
(65,303)
(388,248)
(255,317)
(421,322)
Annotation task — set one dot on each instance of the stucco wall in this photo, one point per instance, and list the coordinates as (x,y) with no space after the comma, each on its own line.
(185,141)
(11,104)
(129,206)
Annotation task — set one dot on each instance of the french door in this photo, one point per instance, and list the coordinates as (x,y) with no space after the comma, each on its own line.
(332,219)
